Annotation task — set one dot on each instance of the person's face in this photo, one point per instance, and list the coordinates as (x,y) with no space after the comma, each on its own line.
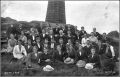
(19,43)
(94,29)
(51,31)
(104,34)
(77,43)
(52,40)
(34,49)
(12,36)
(22,32)
(82,28)
(29,42)
(11,25)
(46,41)
(80,47)
(68,32)
(61,41)
(45,50)
(92,34)
(43,31)
(69,41)
(20,26)
(93,51)
(68,28)
(61,32)
(58,48)
(88,42)
(38,39)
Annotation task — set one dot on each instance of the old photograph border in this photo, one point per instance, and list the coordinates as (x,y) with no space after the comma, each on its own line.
(66,0)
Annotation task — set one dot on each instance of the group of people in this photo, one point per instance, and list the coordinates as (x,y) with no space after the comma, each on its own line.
(62,45)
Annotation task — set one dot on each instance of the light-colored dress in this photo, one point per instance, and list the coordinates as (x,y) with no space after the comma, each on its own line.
(17,53)
(11,44)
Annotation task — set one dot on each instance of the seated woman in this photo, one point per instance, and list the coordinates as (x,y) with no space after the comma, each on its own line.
(11,43)
(81,54)
(108,57)
(19,52)
(70,52)
(34,58)
(29,47)
(46,57)
(84,40)
(23,38)
(93,58)
(93,39)
(58,54)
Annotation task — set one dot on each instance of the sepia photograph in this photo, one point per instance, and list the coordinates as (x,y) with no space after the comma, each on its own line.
(59,38)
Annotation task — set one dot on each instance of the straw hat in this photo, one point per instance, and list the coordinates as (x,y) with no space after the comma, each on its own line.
(68,61)
(81,63)
(48,68)
(89,66)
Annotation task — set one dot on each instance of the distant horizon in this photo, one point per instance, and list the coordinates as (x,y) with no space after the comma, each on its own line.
(104,15)
(49,22)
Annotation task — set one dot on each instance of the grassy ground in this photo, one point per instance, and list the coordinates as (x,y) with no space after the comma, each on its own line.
(60,69)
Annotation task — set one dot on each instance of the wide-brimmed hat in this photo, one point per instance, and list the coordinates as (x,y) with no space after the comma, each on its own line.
(89,66)
(69,60)
(48,68)
(81,63)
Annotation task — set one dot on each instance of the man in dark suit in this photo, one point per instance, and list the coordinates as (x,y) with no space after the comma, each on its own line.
(81,54)
(62,44)
(82,32)
(29,47)
(46,57)
(104,38)
(32,36)
(43,35)
(94,58)
(76,36)
(58,55)
(56,30)
(39,44)
(87,48)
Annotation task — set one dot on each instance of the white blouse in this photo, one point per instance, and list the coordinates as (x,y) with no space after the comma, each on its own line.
(19,54)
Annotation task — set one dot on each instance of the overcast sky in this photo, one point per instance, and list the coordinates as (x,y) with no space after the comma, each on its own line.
(104,15)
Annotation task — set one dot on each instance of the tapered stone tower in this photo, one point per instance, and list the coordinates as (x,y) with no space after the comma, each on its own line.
(56,11)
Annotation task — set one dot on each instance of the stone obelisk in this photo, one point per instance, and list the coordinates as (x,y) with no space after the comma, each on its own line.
(56,11)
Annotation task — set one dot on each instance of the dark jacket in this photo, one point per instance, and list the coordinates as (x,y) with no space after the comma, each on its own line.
(82,56)
(95,59)
(29,50)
